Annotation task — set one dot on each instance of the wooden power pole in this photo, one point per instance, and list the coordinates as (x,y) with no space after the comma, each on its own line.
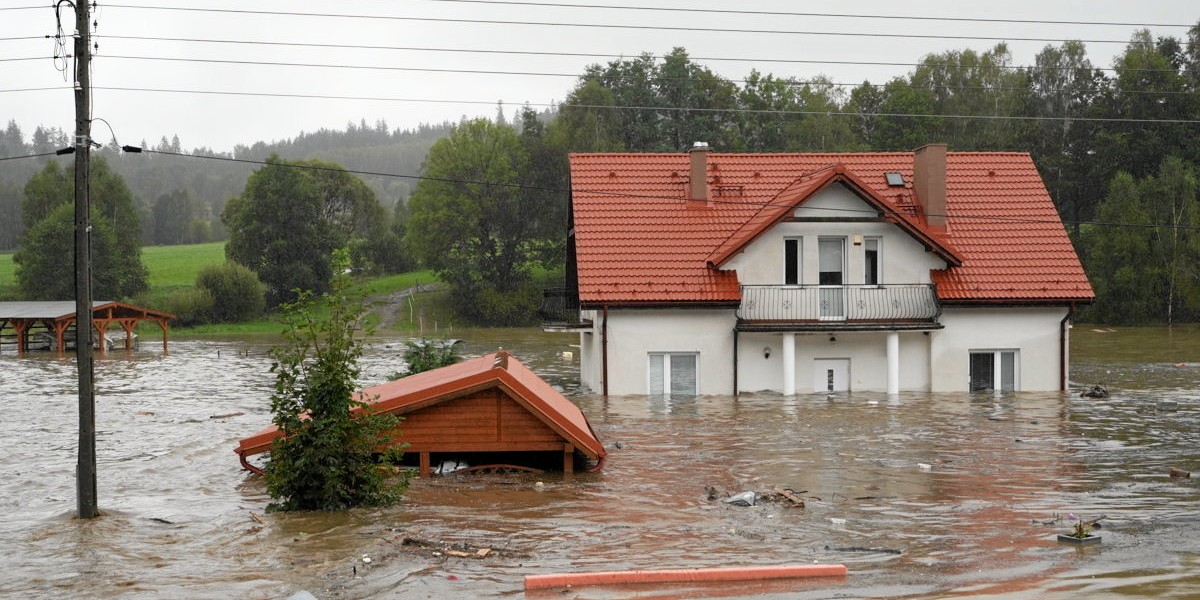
(85,472)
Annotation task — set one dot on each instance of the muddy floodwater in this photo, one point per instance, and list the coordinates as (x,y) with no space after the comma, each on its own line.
(922,495)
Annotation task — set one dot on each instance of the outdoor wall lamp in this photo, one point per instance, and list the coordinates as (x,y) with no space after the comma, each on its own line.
(767,352)
(832,338)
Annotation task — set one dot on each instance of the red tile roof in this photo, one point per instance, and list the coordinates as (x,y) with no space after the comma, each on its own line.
(639,241)
(497,370)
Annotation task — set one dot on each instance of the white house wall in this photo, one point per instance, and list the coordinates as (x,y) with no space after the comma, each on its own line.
(904,260)
(867,352)
(634,333)
(1033,332)
(937,361)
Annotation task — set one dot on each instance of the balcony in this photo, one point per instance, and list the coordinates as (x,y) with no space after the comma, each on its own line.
(560,311)
(838,307)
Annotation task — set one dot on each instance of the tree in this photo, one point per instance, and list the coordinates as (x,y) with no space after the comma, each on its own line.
(1063,87)
(46,268)
(236,292)
(326,457)
(1145,270)
(475,227)
(46,248)
(10,204)
(173,216)
(290,218)
(1118,259)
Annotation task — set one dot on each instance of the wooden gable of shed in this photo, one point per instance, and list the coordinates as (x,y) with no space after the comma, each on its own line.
(489,420)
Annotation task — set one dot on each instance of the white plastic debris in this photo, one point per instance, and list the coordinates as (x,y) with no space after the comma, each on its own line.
(748,498)
(925,466)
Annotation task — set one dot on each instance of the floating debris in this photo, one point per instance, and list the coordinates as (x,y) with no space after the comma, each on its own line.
(743,499)
(1096,391)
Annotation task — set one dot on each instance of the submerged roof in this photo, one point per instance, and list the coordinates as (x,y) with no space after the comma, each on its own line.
(65,309)
(496,370)
(639,241)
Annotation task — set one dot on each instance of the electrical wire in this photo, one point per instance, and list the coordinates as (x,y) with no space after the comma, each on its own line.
(788,81)
(560,106)
(608,26)
(24,156)
(519,186)
(806,14)
(1028,68)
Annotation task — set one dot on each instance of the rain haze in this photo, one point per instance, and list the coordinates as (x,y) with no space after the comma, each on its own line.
(223,73)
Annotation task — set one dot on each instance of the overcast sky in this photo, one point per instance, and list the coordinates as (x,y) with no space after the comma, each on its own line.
(417,39)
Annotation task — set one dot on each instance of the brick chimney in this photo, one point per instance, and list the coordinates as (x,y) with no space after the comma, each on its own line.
(698,181)
(929,181)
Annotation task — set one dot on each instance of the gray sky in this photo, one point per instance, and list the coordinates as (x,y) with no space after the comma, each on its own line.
(221,121)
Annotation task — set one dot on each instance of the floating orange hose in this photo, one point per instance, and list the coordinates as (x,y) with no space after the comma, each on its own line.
(535,582)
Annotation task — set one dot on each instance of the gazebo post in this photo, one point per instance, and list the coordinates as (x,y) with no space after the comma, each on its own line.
(162,323)
(21,327)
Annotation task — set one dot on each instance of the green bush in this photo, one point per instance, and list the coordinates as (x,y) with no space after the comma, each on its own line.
(426,355)
(236,292)
(191,307)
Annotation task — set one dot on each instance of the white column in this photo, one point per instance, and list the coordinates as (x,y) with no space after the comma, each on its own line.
(789,364)
(893,362)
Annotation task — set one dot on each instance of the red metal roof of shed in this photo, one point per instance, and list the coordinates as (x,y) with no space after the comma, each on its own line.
(496,370)
(639,241)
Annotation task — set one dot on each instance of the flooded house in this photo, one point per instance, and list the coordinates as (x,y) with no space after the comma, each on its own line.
(714,273)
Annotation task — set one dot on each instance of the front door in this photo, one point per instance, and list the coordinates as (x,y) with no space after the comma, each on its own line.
(831,267)
(831,375)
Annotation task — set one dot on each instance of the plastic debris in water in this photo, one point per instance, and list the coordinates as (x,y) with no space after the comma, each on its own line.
(747,498)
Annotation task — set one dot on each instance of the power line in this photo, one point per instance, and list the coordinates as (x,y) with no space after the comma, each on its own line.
(520,186)
(608,26)
(560,106)
(804,14)
(24,156)
(601,55)
(666,108)
(789,81)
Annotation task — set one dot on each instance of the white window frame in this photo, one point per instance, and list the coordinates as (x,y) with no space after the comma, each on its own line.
(998,368)
(667,371)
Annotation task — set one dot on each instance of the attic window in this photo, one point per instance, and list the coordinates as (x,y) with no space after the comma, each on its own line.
(895,179)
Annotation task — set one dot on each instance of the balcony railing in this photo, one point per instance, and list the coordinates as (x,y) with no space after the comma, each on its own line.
(840,305)
(560,309)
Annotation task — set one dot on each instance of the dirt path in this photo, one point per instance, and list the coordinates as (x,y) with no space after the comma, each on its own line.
(392,306)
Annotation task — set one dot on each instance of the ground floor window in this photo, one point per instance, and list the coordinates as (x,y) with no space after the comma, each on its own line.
(994,370)
(674,374)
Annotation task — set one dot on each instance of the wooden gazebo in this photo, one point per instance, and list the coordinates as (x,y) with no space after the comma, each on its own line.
(492,405)
(58,317)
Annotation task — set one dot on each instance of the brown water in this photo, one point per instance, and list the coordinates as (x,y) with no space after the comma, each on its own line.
(920,496)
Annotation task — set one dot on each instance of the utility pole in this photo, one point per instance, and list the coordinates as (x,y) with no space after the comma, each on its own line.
(85,471)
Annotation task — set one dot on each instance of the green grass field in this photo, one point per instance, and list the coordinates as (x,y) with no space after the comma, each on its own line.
(8,273)
(175,266)
(169,266)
